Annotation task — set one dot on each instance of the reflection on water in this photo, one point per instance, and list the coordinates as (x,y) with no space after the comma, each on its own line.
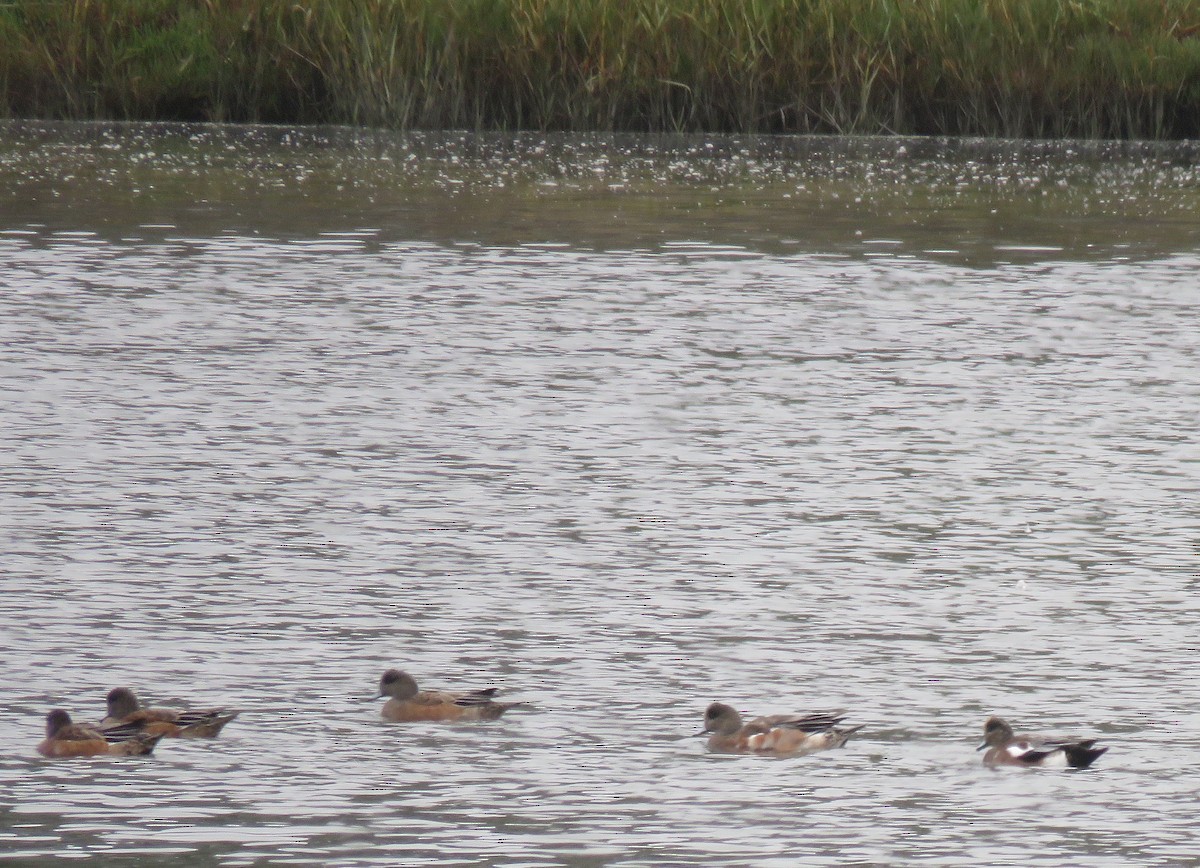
(619,452)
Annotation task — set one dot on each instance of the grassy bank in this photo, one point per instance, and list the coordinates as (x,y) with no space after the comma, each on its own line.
(1040,68)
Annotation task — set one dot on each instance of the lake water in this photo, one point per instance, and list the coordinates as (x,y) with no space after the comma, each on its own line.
(621,426)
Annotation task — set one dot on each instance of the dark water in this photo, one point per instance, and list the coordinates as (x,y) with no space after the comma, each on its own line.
(621,426)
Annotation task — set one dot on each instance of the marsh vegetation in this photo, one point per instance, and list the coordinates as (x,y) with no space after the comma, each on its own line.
(1028,68)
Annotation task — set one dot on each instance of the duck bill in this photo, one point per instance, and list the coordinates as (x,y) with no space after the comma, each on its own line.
(982,746)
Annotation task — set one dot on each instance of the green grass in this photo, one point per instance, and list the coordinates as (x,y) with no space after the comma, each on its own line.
(1021,68)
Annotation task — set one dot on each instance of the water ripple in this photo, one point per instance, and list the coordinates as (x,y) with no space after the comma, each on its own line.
(618,484)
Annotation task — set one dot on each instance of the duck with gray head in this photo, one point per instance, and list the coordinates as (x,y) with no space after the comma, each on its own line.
(67,739)
(1006,748)
(406,703)
(124,710)
(777,734)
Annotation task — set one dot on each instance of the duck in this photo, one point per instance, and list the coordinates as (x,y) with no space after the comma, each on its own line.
(67,739)
(125,710)
(1009,749)
(777,734)
(406,703)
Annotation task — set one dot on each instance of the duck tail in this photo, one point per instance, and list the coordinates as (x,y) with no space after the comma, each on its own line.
(841,736)
(496,709)
(1082,755)
(138,745)
(207,726)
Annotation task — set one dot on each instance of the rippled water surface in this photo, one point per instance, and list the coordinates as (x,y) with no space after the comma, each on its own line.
(620,426)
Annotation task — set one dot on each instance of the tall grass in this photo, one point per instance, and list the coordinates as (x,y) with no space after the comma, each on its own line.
(1043,68)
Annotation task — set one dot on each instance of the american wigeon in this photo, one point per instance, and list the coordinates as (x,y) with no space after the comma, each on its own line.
(66,739)
(407,704)
(125,710)
(1009,749)
(781,734)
